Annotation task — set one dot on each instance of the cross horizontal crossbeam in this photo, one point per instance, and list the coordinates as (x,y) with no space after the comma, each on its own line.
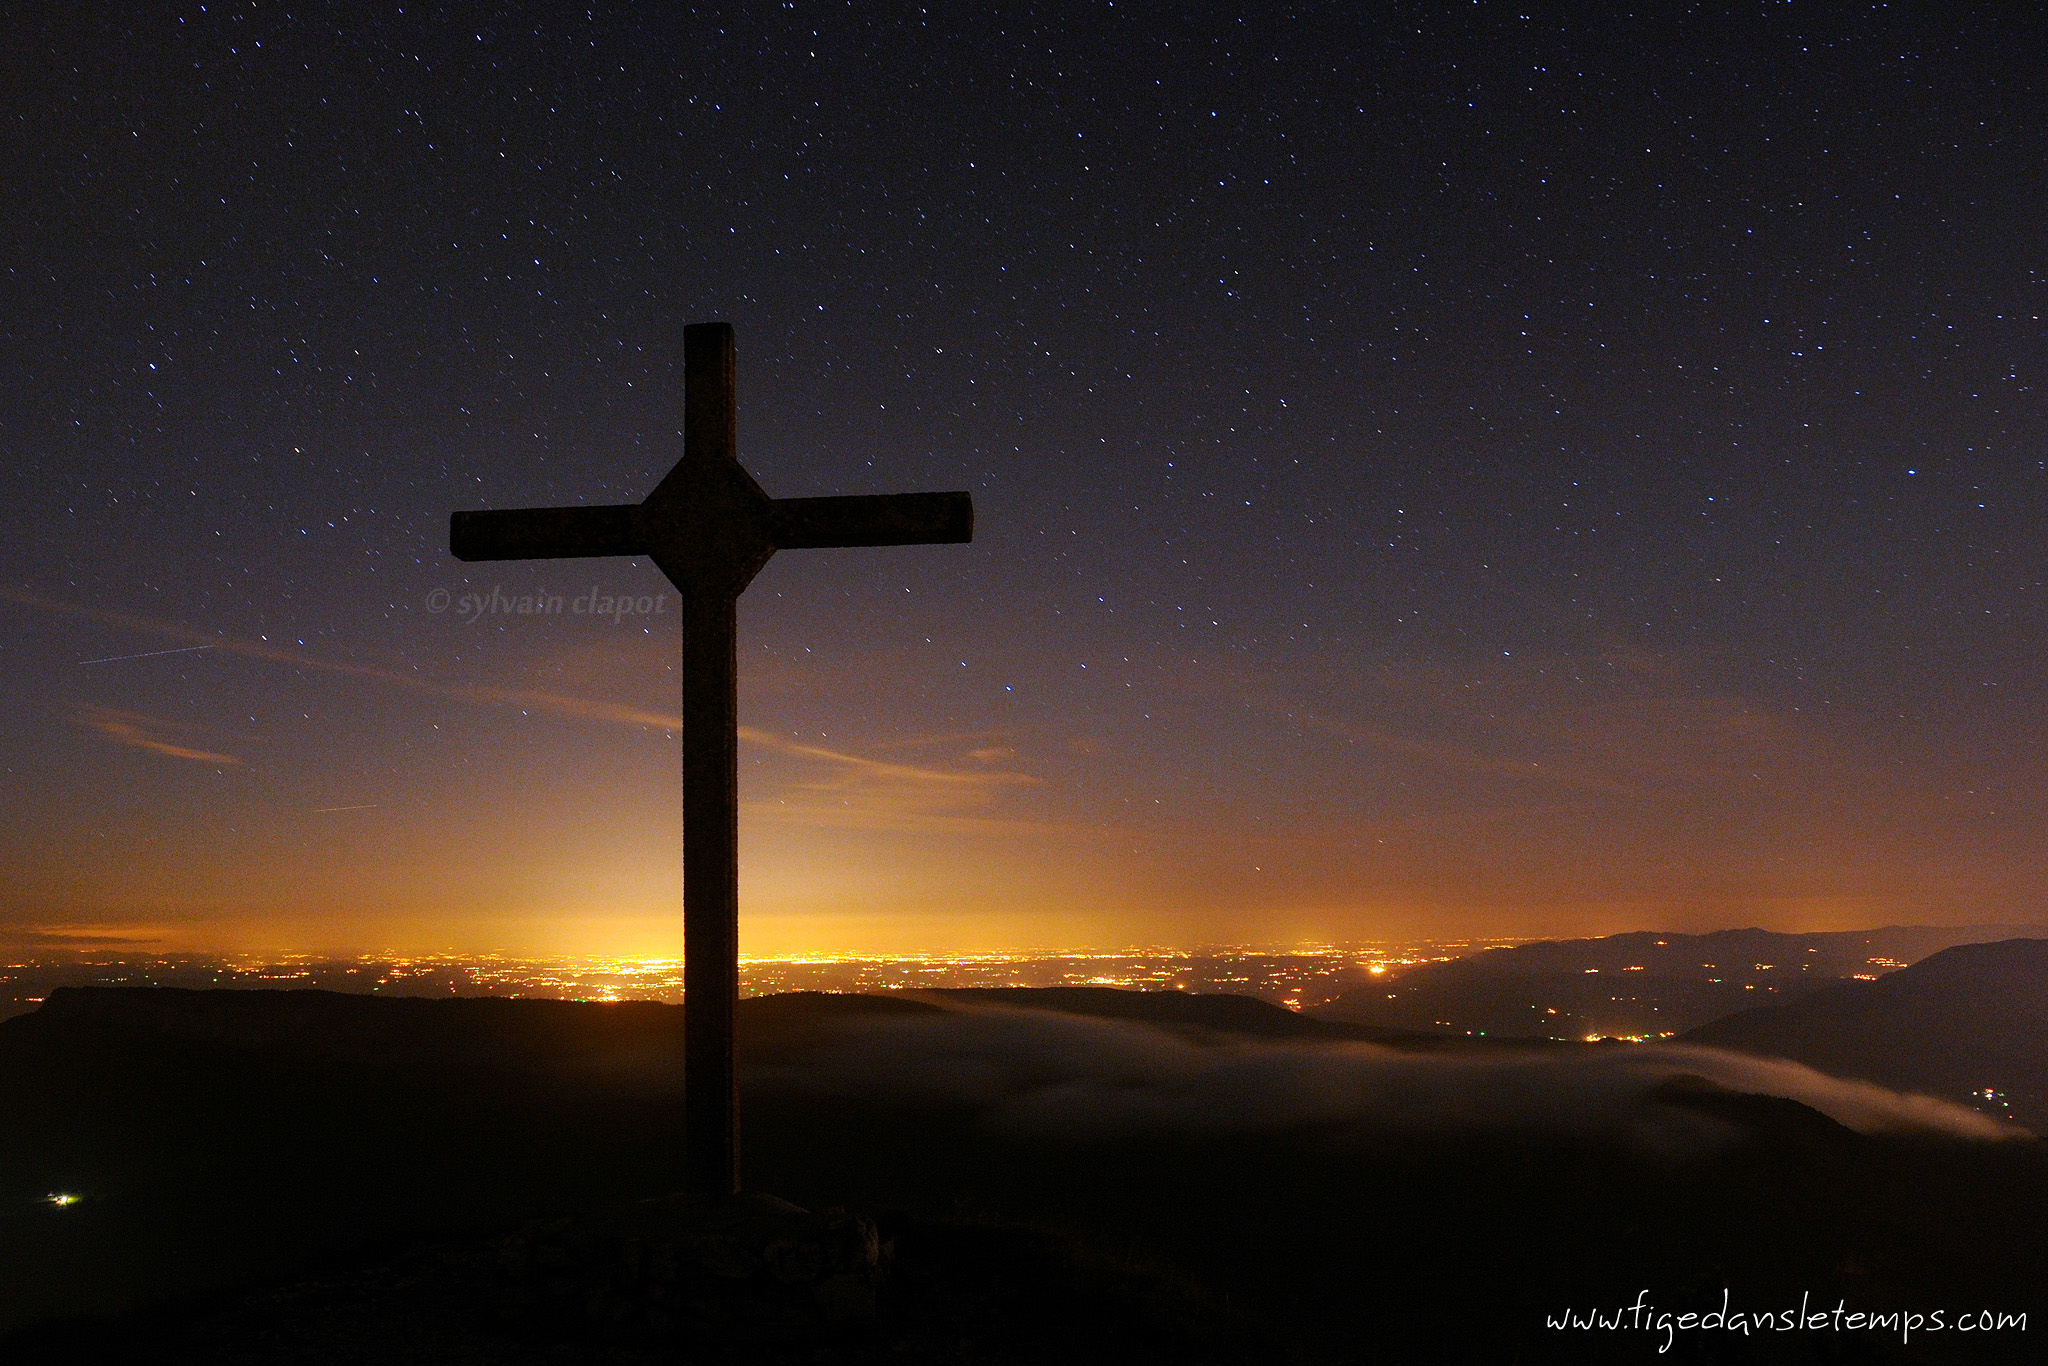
(632,529)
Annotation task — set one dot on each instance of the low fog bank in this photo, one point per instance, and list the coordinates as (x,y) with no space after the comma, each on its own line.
(1027,1070)
(1036,1073)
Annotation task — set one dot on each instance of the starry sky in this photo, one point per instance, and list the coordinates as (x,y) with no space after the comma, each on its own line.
(1439,469)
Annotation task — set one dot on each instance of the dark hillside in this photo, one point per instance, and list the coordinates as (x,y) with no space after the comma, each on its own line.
(1969,1020)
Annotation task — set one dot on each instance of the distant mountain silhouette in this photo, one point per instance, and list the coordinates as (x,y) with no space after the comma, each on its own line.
(1644,985)
(1968,1020)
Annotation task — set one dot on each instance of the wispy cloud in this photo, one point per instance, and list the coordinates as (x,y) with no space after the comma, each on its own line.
(842,790)
(1464,758)
(137,731)
(838,788)
(1633,728)
(959,780)
(525,699)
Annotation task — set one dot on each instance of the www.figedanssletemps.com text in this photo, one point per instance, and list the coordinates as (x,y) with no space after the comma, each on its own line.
(1663,1326)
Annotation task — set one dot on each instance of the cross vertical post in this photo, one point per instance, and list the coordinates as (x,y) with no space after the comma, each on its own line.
(711,889)
(711,799)
(710,528)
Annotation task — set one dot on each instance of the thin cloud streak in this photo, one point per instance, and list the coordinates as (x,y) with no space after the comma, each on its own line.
(1643,733)
(1463,758)
(133,729)
(528,699)
(878,768)
(905,818)
(945,788)
(860,793)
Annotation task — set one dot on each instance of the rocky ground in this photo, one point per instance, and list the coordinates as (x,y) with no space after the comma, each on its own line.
(748,1280)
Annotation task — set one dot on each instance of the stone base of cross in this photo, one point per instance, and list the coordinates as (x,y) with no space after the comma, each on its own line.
(710,528)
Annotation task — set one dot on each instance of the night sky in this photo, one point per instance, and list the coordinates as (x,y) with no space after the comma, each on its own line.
(1439,470)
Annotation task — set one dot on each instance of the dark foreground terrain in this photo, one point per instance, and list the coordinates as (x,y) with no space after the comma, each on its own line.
(975,1177)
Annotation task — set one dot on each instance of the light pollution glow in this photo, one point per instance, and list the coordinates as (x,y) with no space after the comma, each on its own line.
(553,828)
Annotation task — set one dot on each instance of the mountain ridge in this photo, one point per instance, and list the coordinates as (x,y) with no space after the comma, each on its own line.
(1970,1019)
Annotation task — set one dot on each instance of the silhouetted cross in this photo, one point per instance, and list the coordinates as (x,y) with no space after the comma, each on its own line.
(711,529)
